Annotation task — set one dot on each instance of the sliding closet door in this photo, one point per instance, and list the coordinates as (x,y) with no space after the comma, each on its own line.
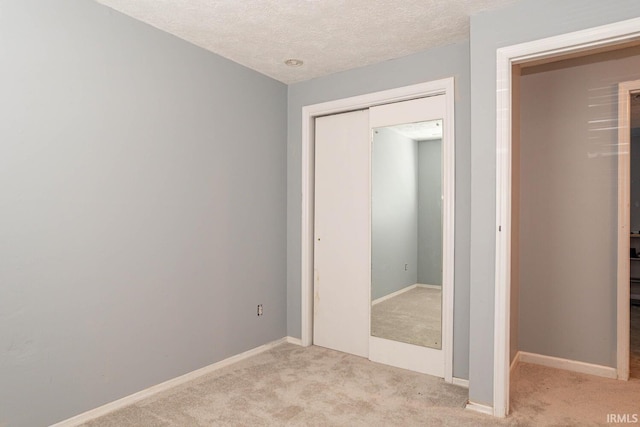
(412,236)
(341,243)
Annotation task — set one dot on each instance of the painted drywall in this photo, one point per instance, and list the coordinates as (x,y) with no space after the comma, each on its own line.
(452,60)
(523,21)
(394,212)
(139,225)
(430,212)
(568,206)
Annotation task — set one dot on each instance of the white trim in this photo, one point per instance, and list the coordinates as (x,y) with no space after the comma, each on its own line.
(567,364)
(592,38)
(294,341)
(503,239)
(624,190)
(478,407)
(448,227)
(143,394)
(514,363)
(423,285)
(460,382)
(309,113)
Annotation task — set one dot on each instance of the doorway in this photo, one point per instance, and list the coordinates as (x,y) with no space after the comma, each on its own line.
(443,89)
(629,124)
(570,188)
(542,50)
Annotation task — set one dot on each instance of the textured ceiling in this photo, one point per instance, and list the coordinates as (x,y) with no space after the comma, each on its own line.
(328,35)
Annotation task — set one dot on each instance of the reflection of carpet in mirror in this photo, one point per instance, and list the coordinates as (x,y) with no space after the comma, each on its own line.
(413,317)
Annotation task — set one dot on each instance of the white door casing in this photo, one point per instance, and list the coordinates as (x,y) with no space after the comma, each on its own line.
(625,89)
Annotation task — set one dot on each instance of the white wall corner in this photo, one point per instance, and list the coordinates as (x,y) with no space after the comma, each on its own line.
(293,340)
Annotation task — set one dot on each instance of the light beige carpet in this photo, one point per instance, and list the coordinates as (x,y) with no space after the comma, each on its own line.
(414,317)
(542,396)
(295,386)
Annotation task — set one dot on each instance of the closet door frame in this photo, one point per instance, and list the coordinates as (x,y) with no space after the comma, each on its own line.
(309,114)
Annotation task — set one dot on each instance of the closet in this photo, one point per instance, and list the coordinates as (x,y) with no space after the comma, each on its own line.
(343,264)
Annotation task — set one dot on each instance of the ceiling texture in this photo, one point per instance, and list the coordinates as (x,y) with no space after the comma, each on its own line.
(327,35)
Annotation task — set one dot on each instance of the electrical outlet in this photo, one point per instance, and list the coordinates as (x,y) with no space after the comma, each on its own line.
(260,311)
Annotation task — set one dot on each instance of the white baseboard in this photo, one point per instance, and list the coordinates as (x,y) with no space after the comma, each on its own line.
(295,341)
(423,285)
(514,362)
(477,407)
(403,290)
(567,365)
(393,294)
(461,382)
(136,397)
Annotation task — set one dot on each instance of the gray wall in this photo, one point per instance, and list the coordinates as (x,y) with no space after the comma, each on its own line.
(434,64)
(394,212)
(430,212)
(141,218)
(568,210)
(523,21)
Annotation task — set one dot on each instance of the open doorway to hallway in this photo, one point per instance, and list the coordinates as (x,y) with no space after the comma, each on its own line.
(567,209)
(564,247)
(586,42)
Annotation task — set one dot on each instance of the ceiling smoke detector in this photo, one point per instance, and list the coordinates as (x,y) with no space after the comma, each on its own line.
(293,62)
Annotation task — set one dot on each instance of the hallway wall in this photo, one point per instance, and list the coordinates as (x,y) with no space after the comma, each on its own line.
(569,206)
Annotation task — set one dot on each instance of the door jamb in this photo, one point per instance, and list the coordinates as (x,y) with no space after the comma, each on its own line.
(309,113)
(624,227)
(579,41)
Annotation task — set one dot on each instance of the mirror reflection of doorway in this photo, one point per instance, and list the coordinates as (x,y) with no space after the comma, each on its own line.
(406,233)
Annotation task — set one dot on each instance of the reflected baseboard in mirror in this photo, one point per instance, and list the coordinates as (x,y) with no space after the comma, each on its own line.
(412,315)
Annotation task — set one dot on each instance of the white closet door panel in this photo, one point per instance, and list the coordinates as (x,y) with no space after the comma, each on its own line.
(342,271)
